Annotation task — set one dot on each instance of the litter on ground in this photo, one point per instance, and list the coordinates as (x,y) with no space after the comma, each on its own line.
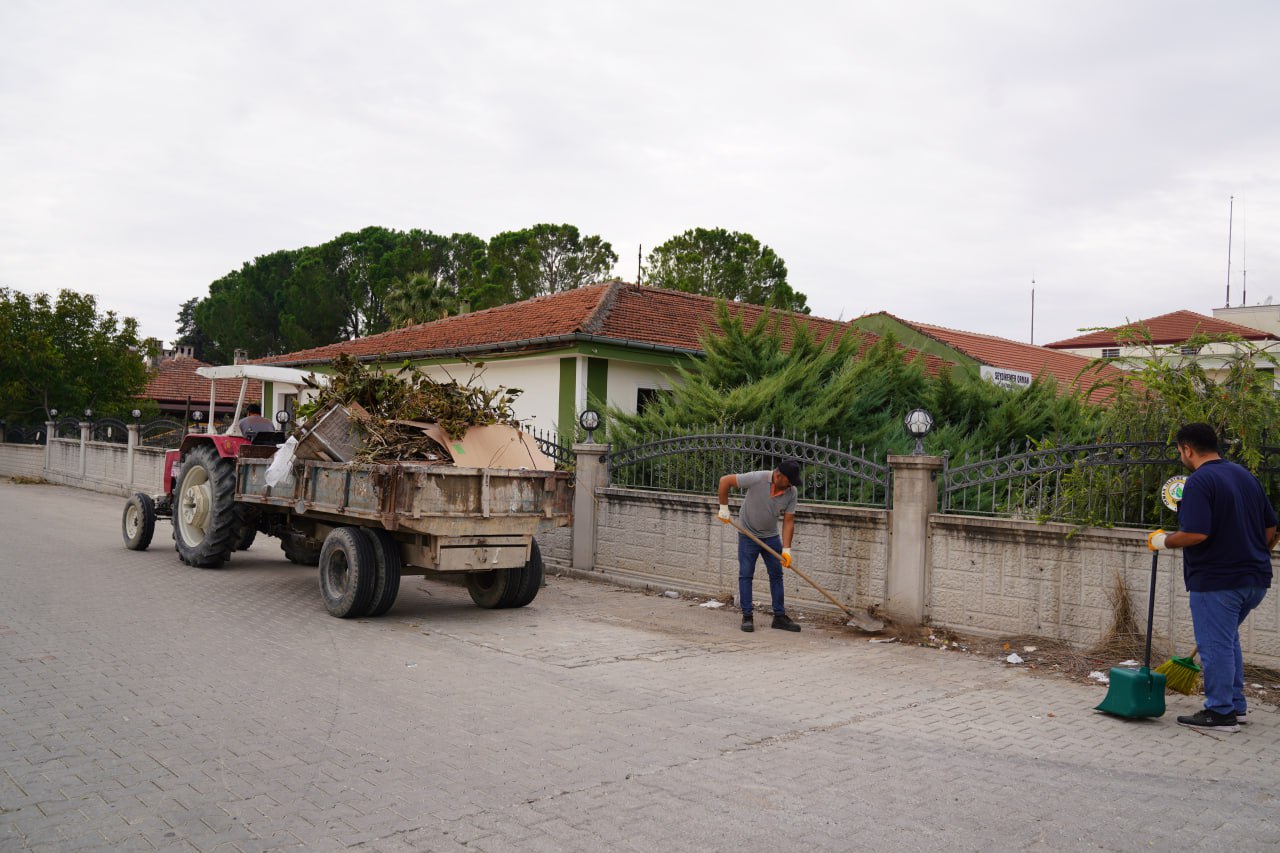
(1013,658)
(1100,676)
(713,604)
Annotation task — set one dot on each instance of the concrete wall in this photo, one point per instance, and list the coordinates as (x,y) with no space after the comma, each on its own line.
(21,460)
(660,541)
(105,468)
(1002,577)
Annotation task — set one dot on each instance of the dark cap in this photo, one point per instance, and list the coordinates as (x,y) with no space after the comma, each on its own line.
(791,470)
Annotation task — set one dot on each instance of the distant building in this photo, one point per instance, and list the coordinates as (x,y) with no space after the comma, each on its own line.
(615,342)
(999,360)
(1170,336)
(176,388)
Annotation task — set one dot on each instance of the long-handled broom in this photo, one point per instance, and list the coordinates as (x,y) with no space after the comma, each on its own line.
(1181,674)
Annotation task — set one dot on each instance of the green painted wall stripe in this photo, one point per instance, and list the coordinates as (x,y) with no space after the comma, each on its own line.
(598,385)
(568,387)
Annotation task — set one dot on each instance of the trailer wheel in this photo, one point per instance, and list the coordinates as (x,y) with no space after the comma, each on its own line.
(386,557)
(489,589)
(244,538)
(139,522)
(347,570)
(301,550)
(206,519)
(527,581)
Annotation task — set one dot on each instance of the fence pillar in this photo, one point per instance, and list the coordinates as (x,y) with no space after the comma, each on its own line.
(134,430)
(590,473)
(915,497)
(86,431)
(49,427)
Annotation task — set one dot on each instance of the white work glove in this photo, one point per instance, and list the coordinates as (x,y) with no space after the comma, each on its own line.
(1155,540)
(786,557)
(723,515)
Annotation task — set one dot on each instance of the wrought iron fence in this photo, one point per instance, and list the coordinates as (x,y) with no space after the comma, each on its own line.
(550,443)
(109,429)
(162,432)
(21,434)
(693,462)
(1109,483)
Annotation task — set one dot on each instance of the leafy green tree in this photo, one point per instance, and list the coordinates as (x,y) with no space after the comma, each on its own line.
(546,259)
(1163,388)
(62,354)
(730,265)
(243,309)
(189,331)
(446,273)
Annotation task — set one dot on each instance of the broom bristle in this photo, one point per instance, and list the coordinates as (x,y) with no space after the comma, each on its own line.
(1180,675)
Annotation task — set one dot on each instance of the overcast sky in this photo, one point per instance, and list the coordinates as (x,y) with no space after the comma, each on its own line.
(922,158)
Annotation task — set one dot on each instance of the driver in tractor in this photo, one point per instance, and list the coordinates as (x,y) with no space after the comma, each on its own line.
(253,422)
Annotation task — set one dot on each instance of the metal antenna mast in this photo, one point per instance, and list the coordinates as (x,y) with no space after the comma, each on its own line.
(1230,212)
(1033,309)
(1244,255)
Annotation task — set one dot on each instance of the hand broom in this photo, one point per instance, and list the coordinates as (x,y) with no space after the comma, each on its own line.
(1181,674)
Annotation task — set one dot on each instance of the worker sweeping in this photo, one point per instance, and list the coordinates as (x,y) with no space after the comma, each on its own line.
(1228,528)
(769,494)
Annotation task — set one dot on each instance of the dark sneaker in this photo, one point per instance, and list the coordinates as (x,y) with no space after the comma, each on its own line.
(1210,721)
(748,624)
(783,623)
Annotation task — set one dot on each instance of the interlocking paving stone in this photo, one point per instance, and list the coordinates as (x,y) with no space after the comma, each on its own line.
(147,705)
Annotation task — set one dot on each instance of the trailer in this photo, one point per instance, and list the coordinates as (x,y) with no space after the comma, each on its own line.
(363,524)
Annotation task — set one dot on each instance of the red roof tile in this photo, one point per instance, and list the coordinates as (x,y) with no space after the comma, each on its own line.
(1172,328)
(1065,368)
(175,380)
(629,314)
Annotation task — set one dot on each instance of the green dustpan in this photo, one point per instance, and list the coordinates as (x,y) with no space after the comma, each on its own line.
(1134,693)
(1137,693)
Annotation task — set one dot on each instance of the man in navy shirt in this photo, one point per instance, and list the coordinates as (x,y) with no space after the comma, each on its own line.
(1228,528)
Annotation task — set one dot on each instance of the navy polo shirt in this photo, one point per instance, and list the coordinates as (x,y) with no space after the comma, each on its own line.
(1225,502)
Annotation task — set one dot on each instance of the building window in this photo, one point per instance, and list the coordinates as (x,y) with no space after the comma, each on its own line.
(646,397)
(1111,352)
(1185,350)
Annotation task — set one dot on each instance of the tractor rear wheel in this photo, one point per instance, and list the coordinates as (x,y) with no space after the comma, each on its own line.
(206,520)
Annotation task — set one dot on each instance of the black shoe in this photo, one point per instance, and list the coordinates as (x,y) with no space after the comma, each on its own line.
(748,624)
(1210,721)
(1242,717)
(783,622)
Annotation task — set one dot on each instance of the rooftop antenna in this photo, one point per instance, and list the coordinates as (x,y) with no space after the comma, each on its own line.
(1244,254)
(1230,212)
(639,266)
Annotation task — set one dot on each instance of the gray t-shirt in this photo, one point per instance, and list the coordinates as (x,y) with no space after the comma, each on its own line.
(761,509)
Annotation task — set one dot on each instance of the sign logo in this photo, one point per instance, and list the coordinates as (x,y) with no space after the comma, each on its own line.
(1171,491)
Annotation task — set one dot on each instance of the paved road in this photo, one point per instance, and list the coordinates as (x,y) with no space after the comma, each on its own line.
(148,705)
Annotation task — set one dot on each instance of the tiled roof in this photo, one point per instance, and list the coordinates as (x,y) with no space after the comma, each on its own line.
(628,314)
(1012,355)
(175,380)
(1172,328)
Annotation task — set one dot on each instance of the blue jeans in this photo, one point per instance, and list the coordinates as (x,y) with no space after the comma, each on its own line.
(1216,617)
(747,553)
